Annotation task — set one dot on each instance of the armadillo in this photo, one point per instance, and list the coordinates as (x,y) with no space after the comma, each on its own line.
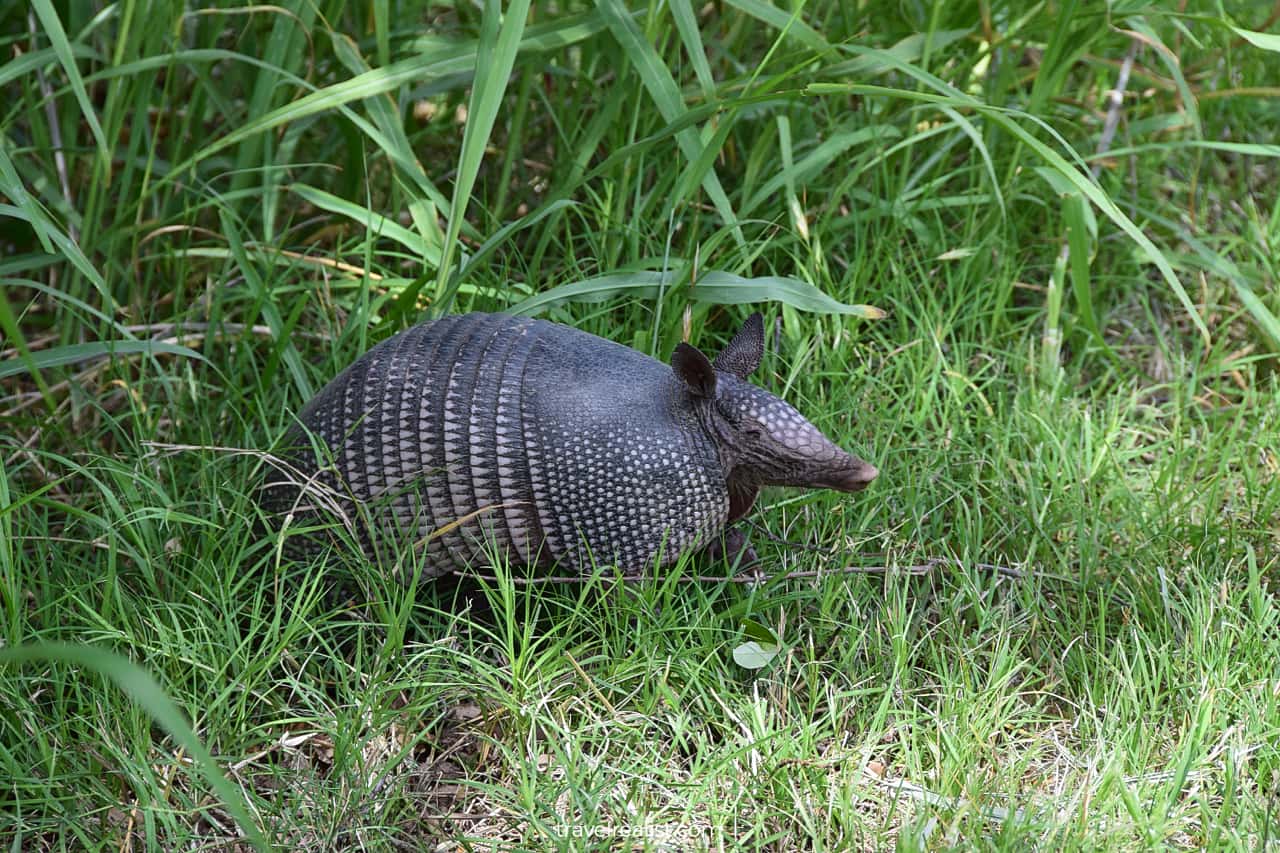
(485,436)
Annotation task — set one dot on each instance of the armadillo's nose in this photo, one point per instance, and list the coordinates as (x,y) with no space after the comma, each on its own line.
(856,478)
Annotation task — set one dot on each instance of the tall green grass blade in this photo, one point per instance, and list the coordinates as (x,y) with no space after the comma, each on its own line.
(1250,149)
(1218,264)
(1080,251)
(828,151)
(908,50)
(1171,62)
(1262,315)
(376,223)
(62,242)
(1007,119)
(393,142)
(270,311)
(443,60)
(725,288)
(76,353)
(382,30)
(143,689)
(18,341)
(979,145)
(24,206)
(529,76)
(695,173)
(662,89)
(690,36)
(283,50)
(503,234)
(788,23)
(1051,371)
(29,63)
(495,57)
(1081,236)
(335,97)
(788,176)
(52,29)
(546,37)
(1064,45)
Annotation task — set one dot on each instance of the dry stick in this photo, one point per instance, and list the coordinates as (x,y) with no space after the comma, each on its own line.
(182,327)
(921,569)
(1051,340)
(55,133)
(1115,100)
(930,565)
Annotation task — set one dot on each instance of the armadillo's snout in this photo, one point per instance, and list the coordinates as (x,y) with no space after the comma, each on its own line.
(855,478)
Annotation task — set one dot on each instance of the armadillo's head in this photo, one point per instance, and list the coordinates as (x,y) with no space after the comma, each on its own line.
(763,441)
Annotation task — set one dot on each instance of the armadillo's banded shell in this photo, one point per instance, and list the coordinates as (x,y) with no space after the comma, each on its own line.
(482,432)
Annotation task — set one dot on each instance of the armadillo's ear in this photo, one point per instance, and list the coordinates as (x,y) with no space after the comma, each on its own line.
(742,355)
(694,370)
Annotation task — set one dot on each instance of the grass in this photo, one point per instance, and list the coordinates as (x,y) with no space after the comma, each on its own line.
(205,214)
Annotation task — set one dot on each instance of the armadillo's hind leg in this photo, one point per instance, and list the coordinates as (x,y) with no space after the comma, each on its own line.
(734,548)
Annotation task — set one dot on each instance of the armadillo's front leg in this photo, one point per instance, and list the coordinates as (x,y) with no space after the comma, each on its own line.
(733,547)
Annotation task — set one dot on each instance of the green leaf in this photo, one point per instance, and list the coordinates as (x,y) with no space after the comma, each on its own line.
(1079,247)
(28,63)
(725,288)
(717,288)
(760,632)
(143,689)
(1265,41)
(1065,189)
(1253,149)
(753,655)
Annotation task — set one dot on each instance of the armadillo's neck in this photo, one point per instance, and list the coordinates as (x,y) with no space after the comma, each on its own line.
(742,496)
(741,480)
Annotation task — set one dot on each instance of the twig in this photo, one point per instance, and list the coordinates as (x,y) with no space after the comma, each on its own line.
(185,326)
(1051,338)
(55,133)
(927,567)
(1115,99)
